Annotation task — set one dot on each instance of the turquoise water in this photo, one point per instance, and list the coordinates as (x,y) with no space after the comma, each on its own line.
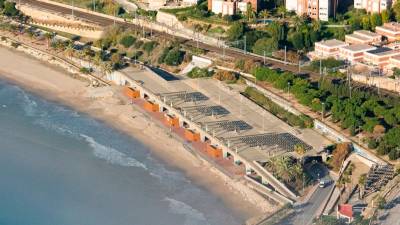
(59,167)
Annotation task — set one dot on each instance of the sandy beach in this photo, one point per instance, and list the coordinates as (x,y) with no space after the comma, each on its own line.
(105,104)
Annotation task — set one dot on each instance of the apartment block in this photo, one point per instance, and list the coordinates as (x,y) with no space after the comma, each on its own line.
(389,30)
(328,48)
(394,62)
(316,9)
(363,37)
(355,53)
(231,7)
(380,57)
(373,6)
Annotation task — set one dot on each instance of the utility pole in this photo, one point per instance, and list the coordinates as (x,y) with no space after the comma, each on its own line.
(264,57)
(299,63)
(323,111)
(115,13)
(94,5)
(285,53)
(320,66)
(197,40)
(349,80)
(72,8)
(245,45)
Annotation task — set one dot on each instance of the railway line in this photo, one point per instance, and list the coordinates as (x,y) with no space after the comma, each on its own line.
(236,54)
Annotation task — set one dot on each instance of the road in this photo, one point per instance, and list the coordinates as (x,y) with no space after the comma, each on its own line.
(391,214)
(306,212)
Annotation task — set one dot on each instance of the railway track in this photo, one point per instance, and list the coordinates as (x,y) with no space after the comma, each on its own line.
(236,54)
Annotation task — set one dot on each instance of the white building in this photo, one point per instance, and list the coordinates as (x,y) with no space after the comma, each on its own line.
(373,6)
(316,9)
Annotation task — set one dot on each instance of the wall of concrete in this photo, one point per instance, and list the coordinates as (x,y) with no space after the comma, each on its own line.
(381,82)
(62,23)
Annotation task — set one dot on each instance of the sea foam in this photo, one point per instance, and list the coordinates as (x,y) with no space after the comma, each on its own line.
(111,155)
(192,216)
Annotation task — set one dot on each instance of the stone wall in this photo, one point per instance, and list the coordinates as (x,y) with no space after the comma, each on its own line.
(381,82)
(62,23)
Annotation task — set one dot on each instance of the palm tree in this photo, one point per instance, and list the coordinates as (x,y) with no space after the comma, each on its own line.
(298,23)
(282,10)
(98,57)
(281,166)
(69,50)
(316,25)
(264,14)
(106,68)
(48,36)
(250,13)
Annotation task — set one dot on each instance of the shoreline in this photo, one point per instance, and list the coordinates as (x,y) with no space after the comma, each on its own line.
(56,85)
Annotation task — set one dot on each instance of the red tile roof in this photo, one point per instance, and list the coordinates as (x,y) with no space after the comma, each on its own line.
(346,210)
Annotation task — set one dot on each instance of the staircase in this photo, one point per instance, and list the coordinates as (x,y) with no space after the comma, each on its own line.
(377,177)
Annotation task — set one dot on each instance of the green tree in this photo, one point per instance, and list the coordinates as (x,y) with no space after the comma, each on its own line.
(250,15)
(10,9)
(396,10)
(277,31)
(385,14)
(376,20)
(149,46)
(174,57)
(127,41)
(394,154)
(265,44)
(297,40)
(365,22)
(264,14)
(282,11)
(236,31)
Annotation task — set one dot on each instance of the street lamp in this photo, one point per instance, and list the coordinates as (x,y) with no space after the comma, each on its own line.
(72,8)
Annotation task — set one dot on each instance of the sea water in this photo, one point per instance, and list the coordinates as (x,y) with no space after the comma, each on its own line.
(60,167)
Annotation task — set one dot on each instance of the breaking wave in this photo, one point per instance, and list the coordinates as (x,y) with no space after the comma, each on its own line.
(192,216)
(111,155)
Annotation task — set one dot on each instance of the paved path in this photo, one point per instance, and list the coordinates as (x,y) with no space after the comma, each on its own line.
(391,214)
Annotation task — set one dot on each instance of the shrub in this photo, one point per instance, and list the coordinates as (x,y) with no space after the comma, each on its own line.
(339,155)
(9,9)
(200,72)
(149,46)
(394,154)
(138,44)
(224,75)
(372,143)
(174,57)
(182,17)
(127,41)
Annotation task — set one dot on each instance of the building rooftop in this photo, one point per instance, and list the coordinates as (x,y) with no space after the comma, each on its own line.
(396,58)
(359,37)
(331,43)
(367,33)
(359,48)
(394,27)
(383,52)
